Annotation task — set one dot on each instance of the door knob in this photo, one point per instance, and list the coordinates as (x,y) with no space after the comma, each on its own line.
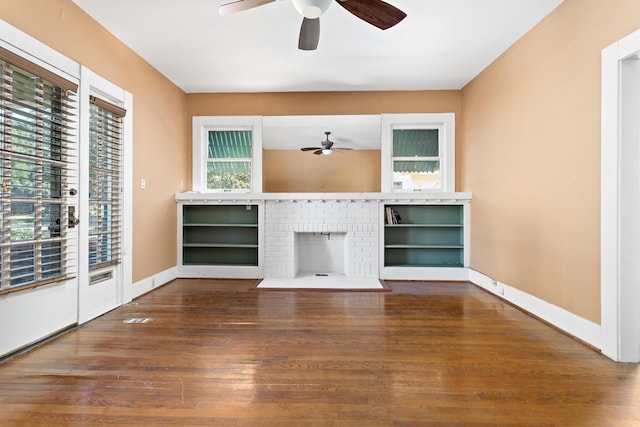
(73,221)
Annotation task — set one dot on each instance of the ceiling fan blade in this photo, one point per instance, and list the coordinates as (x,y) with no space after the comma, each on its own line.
(317,152)
(309,34)
(240,5)
(310,148)
(375,12)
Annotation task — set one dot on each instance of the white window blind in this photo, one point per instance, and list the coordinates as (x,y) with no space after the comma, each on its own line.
(37,123)
(105,183)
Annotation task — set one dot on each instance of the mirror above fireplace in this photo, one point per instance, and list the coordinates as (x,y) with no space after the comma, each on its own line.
(359,132)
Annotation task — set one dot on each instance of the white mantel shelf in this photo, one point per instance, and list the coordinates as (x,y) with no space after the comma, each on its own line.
(425,197)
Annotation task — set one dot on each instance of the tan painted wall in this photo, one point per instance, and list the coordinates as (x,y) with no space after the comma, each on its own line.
(530,152)
(161,125)
(288,171)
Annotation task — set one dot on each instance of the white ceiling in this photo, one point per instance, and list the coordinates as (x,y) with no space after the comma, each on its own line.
(441,44)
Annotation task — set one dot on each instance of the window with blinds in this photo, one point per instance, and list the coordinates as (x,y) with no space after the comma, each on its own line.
(37,126)
(105,183)
(416,159)
(229,160)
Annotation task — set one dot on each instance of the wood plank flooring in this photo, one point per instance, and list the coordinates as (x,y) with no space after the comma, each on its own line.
(221,353)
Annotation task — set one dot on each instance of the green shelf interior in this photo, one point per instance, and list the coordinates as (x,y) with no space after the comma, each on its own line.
(430,214)
(427,236)
(423,257)
(423,236)
(220,214)
(220,256)
(220,235)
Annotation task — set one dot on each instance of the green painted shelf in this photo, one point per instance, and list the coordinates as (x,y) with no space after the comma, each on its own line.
(219,235)
(427,236)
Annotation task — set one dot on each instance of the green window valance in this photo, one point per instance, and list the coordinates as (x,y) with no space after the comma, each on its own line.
(416,167)
(415,143)
(419,144)
(230,144)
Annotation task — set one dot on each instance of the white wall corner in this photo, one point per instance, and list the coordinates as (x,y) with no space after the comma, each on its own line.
(574,325)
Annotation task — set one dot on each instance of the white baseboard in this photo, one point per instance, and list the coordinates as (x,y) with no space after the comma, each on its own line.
(219,271)
(425,273)
(150,283)
(581,328)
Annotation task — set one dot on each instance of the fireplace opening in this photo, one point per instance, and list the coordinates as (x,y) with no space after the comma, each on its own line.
(320,254)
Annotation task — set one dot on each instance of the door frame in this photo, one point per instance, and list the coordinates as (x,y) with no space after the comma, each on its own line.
(620,330)
(93,84)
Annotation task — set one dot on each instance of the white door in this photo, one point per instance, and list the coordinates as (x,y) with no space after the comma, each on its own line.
(102,198)
(38,188)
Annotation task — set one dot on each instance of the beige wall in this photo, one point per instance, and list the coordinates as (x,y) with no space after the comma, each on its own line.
(530,153)
(289,171)
(161,125)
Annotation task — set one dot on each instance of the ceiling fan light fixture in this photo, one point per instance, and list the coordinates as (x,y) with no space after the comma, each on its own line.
(327,151)
(311,9)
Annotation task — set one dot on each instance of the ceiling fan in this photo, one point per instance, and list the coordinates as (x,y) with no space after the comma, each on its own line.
(375,12)
(327,147)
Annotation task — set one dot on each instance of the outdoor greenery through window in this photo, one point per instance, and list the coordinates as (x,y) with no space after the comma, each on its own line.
(105,183)
(229,159)
(36,144)
(416,159)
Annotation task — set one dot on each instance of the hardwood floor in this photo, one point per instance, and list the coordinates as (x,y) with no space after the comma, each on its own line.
(221,353)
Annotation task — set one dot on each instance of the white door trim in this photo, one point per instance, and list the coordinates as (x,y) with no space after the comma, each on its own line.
(620,339)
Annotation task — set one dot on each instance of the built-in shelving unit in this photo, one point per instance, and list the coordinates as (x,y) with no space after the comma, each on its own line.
(220,239)
(427,239)
(252,235)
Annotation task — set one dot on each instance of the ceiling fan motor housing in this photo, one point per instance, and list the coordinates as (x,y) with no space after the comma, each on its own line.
(327,144)
(311,9)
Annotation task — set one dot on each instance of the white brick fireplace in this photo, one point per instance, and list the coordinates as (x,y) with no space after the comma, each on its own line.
(354,222)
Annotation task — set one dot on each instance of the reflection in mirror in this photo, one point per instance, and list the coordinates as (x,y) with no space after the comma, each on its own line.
(287,169)
(360,132)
